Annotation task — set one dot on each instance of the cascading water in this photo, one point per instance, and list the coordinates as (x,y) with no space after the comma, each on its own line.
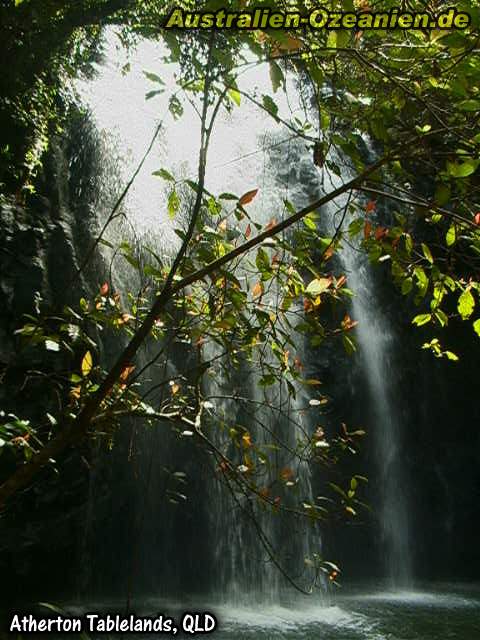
(376,342)
(376,348)
(238,155)
(244,570)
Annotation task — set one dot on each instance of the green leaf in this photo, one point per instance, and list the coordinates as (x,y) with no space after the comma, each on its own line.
(463,169)
(476,327)
(153,77)
(451,236)
(356,226)
(310,223)
(442,194)
(270,105)
(469,105)
(348,344)
(422,319)
(235,96)
(173,204)
(407,286)
(262,261)
(318,286)
(425,129)
(466,304)
(175,107)
(276,76)
(451,356)
(427,253)
(151,94)
(163,173)
(442,317)
(332,40)
(422,280)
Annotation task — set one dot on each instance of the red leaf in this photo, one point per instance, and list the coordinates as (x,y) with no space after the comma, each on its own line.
(286,474)
(380,232)
(476,219)
(126,372)
(271,224)
(104,289)
(248,197)
(248,231)
(367,230)
(371,206)
(328,253)
(341,281)
(348,323)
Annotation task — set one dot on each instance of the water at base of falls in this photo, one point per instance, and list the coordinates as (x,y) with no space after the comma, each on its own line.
(364,612)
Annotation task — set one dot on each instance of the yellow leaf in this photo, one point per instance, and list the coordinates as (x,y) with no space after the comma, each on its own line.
(247,440)
(87,364)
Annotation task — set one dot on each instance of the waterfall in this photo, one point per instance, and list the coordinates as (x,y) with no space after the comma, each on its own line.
(377,345)
(238,161)
(248,150)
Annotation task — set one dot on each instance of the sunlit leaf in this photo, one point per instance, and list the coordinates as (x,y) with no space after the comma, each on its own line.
(318,286)
(87,364)
(466,304)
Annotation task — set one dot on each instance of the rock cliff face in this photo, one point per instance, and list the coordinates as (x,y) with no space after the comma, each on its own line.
(41,246)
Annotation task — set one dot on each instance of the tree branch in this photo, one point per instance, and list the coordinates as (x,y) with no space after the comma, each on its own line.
(80,427)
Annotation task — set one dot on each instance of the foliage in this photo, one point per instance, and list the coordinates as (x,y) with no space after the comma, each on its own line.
(238,292)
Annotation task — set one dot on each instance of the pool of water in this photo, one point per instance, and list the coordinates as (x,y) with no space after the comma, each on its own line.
(380,615)
(435,614)
(428,612)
